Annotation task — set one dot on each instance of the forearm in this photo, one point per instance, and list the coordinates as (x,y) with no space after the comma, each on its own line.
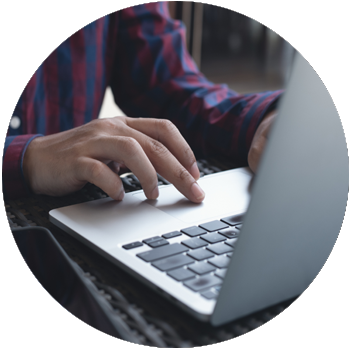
(161,80)
(212,118)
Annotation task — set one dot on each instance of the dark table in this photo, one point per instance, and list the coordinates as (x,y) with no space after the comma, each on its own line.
(119,304)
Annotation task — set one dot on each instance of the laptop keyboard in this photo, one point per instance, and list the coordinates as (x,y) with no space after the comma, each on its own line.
(200,259)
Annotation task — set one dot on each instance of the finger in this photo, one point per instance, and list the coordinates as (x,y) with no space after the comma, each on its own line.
(98,173)
(128,151)
(170,168)
(114,166)
(167,133)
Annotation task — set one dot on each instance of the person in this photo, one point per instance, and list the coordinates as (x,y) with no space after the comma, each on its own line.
(173,112)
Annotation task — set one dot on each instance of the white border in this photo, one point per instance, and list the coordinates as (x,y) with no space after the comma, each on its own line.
(32,29)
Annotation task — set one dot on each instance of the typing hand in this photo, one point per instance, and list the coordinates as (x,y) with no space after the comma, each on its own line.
(62,163)
(259,141)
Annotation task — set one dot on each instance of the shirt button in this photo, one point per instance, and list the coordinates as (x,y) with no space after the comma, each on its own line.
(15,122)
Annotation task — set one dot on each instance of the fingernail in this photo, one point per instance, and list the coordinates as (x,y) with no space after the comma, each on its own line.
(195,171)
(197,191)
(121,196)
(155,193)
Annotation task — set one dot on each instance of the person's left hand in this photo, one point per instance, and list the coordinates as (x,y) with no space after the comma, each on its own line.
(259,141)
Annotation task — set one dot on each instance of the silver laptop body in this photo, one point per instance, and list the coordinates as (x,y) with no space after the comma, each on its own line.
(293,210)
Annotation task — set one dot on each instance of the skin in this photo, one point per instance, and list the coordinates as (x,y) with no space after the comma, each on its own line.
(259,141)
(63,163)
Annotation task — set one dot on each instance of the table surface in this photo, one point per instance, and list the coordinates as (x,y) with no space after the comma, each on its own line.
(145,316)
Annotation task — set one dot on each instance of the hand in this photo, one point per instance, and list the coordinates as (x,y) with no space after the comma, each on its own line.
(62,163)
(259,141)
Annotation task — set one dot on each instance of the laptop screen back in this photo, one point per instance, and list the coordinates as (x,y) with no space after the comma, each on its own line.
(298,202)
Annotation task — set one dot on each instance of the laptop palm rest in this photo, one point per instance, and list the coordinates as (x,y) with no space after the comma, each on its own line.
(107,223)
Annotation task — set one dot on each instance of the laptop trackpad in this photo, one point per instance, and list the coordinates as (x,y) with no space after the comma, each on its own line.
(223,196)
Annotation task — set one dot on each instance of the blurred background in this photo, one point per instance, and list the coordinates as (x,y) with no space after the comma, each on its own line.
(228,48)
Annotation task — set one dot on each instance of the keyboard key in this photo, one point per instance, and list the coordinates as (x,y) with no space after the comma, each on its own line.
(194,243)
(133,245)
(201,268)
(200,254)
(181,274)
(173,262)
(221,273)
(229,232)
(213,226)
(231,242)
(209,294)
(213,238)
(239,226)
(171,234)
(194,231)
(233,220)
(162,252)
(152,239)
(220,248)
(158,243)
(229,255)
(203,282)
(220,262)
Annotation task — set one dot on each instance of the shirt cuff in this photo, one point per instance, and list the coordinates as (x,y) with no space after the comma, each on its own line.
(13,183)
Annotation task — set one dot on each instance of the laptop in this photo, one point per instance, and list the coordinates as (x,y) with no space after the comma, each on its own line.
(254,241)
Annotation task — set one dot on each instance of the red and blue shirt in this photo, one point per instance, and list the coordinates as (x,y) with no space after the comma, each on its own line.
(140,52)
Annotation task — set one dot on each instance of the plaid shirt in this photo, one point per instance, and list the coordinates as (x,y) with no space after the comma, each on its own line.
(141,53)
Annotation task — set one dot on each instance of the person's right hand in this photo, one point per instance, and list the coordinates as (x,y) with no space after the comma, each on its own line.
(62,163)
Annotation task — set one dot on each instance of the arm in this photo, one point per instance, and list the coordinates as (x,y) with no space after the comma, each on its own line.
(159,79)
(62,162)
